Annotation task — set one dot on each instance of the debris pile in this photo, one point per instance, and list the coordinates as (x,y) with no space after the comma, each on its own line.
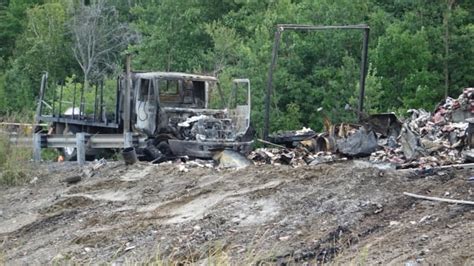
(422,140)
(277,156)
(428,140)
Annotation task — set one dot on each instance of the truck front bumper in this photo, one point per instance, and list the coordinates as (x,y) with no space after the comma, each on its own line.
(207,149)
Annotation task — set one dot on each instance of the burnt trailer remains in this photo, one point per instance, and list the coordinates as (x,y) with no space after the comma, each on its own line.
(161,114)
(280,28)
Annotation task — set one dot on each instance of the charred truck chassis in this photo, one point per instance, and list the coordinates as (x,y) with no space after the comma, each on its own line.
(168,115)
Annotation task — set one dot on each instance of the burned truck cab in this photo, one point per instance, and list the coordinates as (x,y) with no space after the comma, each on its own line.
(178,113)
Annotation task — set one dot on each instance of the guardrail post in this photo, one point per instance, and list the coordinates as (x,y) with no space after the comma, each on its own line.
(81,148)
(127,139)
(37,147)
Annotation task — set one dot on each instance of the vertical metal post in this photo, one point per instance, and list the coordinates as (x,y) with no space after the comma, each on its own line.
(60,101)
(81,148)
(101,110)
(128,85)
(74,101)
(95,101)
(127,139)
(117,101)
(54,102)
(268,97)
(363,72)
(39,108)
(234,95)
(37,147)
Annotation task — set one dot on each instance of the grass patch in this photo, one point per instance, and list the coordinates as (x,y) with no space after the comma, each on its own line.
(12,162)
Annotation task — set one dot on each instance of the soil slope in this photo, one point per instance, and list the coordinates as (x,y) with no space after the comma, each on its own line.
(340,213)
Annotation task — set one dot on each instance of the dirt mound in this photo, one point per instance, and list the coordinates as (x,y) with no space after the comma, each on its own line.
(344,213)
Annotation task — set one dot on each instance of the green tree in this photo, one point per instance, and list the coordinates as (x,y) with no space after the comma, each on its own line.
(172,35)
(12,23)
(43,46)
(402,59)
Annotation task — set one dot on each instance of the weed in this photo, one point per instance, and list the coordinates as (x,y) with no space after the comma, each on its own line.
(2,258)
(49,154)
(12,162)
(65,259)
(364,254)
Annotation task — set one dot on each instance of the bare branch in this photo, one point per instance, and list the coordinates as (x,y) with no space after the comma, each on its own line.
(99,37)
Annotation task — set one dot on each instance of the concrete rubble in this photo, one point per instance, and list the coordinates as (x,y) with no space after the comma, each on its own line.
(423,140)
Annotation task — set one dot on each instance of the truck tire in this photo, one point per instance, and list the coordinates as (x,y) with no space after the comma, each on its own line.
(151,152)
(165,148)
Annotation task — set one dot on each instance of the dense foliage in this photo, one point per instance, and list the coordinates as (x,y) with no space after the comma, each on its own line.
(419,50)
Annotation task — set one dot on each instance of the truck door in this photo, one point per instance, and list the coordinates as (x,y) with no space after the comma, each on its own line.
(146,106)
(239,105)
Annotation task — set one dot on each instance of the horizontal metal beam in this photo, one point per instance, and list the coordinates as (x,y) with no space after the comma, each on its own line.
(6,124)
(20,141)
(77,121)
(282,27)
(98,141)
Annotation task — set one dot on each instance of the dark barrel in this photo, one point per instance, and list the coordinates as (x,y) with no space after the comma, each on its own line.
(129,155)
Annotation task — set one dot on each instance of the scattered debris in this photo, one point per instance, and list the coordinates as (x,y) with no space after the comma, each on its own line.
(295,157)
(72,179)
(182,168)
(34,180)
(99,164)
(288,138)
(385,124)
(360,143)
(439,199)
(201,163)
(231,159)
(394,223)
(129,248)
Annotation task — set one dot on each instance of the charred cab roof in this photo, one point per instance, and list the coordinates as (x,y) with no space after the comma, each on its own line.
(173,75)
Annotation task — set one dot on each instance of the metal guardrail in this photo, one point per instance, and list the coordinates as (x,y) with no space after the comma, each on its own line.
(98,141)
(16,140)
(80,141)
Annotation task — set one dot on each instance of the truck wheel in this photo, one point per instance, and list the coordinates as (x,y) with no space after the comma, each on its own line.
(151,152)
(164,148)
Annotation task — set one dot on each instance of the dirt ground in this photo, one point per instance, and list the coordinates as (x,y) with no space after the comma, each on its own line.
(344,213)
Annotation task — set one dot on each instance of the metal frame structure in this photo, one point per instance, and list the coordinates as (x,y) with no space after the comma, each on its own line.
(77,118)
(299,27)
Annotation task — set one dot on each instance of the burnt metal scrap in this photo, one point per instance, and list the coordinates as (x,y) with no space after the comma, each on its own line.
(423,139)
